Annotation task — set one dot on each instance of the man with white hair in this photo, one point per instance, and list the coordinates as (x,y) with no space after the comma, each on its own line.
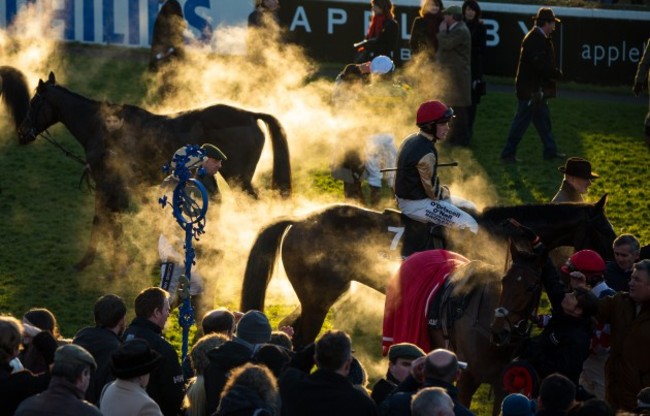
(432,401)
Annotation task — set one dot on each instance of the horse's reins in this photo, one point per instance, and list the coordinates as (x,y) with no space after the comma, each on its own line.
(50,139)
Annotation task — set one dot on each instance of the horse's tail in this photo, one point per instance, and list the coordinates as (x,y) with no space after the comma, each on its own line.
(281,163)
(14,92)
(259,267)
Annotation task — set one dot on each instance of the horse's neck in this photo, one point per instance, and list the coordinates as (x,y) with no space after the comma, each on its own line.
(79,115)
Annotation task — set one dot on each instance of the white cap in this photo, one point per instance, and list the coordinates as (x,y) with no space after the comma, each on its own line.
(381,65)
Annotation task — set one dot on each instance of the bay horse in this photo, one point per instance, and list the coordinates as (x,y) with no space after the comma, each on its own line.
(469,296)
(151,139)
(325,251)
(15,93)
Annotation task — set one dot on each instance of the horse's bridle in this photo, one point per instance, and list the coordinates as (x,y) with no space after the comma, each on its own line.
(523,327)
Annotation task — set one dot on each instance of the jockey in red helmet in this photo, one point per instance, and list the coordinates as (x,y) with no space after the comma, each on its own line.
(417,186)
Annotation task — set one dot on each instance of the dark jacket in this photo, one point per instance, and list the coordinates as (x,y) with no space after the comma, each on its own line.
(243,401)
(166,384)
(223,359)
(62,398)
(408,184)
(322,393)
(386,42)
(100,343)
(383,388)
(617,278)
(537,69)
(399,403)
(479,46)
(16,387)
(423,35)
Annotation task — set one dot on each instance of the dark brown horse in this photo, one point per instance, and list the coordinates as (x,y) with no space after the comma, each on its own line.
(149,142)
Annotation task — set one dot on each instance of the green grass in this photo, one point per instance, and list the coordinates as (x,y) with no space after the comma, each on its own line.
(45,219)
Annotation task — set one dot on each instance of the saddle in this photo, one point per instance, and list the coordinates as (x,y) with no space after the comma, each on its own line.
(444,309)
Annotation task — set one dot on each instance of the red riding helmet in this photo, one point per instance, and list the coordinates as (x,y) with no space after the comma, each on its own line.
(586,261)
(433,112)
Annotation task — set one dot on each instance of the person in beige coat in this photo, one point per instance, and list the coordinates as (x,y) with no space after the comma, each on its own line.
(131,364)
(454,61)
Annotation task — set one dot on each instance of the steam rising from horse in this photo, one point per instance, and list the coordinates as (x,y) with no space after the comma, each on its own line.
(149,142)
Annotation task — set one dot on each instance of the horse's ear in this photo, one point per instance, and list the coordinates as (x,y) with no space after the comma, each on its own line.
(51,78)
(600,205)
(40,83)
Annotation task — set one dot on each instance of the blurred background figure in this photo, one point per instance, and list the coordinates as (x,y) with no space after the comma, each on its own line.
(478,31)
(642,82)
(168,35)
(44,320)
(265,13)
(424,31)
(382,35)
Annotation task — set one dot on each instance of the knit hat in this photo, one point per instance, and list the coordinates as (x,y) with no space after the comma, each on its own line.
(516,404)
(404,350)
(274,357)
(213,152)
(72,354)
(643,398)
(134,358)
(254,327)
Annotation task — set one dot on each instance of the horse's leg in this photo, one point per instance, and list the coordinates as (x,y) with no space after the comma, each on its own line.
(467,386)
(89,257)
(312,316)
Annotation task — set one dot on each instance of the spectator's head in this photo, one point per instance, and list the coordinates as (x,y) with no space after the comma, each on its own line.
(626,251)
(74,364)
(593,407)
(357,374)
(270,5)
(11,331)
(430,7)
(640,282)
(153,304)
(545,19)
(252,380)
(384,7)
(471,10)
(254,328)
(220,321)
(274,357)
(334,352)
(199,352)
(42,319)
(588,264)
(110,313)
(556,393)
(643,398)
(516,404)
(582,302)
(134,360)
(215,158)
(442,364)
(400,357)
(453,14)
(282,339)
(432,401)
(113,116)
(577,172)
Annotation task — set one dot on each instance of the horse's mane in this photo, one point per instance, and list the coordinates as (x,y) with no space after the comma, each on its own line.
(15,92)
(532,211)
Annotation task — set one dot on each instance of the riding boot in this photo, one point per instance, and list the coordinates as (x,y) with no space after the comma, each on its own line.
(437,338)
(375,196)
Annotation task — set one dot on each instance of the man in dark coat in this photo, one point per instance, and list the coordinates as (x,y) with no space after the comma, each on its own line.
(102,339)
(65,394)
(166,384)
(628,368)
(537,74)
(253,329)
(641,82)
(400,357)
(327,391)
(439,368)
(626,252)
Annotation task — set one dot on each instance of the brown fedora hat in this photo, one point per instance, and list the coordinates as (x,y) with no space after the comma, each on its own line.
(546,13)
(577,166)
